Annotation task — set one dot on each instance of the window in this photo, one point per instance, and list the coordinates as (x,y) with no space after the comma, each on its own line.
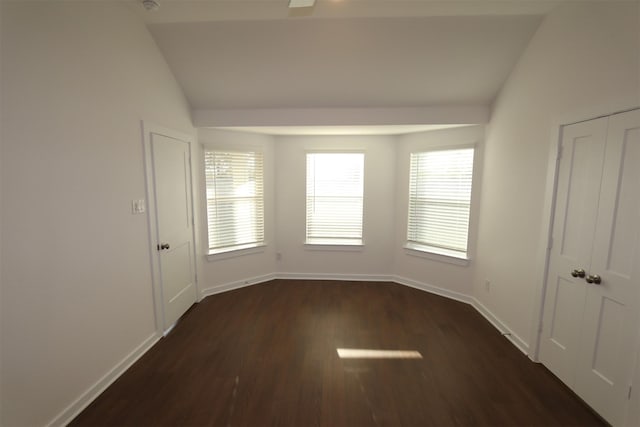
(235,202)
(335,185)
(439,201)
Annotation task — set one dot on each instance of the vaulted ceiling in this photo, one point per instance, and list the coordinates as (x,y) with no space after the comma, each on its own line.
(259,54)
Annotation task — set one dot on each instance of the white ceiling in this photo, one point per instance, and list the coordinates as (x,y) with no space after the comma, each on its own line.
(241,55)
(344,63)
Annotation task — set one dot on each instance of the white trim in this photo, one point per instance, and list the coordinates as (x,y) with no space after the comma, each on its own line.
(230,286)
(336,247)
(249,249)
(500,326)
(432,254)
(330,276)
(457,296)
(86,398)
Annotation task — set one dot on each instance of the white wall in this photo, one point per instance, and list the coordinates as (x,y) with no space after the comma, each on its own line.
(436,273)
(1,259)
(77,78)
(376,258)
(582,62)
(222,272)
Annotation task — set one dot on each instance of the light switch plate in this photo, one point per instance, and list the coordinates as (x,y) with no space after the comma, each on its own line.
(137,206)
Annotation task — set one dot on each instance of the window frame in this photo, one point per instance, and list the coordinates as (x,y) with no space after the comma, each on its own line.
(226,252)
(433,252)
(334,244)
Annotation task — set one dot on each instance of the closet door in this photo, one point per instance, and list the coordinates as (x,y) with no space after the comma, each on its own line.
(591,317)
(610,322)
(579,178)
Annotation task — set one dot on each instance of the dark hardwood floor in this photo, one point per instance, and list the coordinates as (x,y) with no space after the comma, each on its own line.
(266,356)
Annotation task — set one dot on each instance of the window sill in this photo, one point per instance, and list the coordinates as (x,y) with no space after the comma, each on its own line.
(236,252)
(436,254)
(354,245)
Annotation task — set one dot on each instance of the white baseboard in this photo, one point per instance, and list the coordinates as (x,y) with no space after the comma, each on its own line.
(499,325)
(230,286)
(328,276)
(71,411)
(432,289)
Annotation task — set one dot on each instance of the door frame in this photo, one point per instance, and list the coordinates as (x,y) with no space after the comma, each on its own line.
(149,128)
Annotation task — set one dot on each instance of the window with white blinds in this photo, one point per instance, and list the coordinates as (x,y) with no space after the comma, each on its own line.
(335,187)
(235,200)
(439,201)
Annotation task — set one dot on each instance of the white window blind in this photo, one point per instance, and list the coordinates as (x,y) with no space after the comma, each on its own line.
(335,186)
(439,201)
(235,201)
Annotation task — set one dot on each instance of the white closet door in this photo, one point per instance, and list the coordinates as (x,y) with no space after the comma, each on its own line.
(579,178)
(610,323)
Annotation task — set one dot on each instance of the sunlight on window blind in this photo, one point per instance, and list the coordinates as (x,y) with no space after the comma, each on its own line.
(440,198)
(235,202)
(335,185)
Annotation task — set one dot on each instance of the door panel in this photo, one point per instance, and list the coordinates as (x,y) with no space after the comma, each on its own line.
(579,178)
(611,312)
(172,179)
(627,211)
(609,319)
(564,330)
(585,159)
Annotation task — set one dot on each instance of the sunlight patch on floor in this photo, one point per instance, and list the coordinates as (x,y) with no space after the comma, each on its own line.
(360,353)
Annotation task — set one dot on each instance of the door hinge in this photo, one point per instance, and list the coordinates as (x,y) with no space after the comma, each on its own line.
(629,394)
(550,242)
(560,150)
(540,327)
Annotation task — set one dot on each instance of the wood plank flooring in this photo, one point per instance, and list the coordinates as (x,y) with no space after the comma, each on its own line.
(266,356)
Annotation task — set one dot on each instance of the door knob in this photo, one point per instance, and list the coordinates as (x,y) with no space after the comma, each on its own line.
(578,272)
(163,246)
(594,278)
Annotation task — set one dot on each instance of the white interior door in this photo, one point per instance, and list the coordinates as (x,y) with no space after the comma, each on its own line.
(579,178)
(174,222)
(590,325)
(611,310)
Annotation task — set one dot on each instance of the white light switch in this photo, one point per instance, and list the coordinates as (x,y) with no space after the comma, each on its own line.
(137,206)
